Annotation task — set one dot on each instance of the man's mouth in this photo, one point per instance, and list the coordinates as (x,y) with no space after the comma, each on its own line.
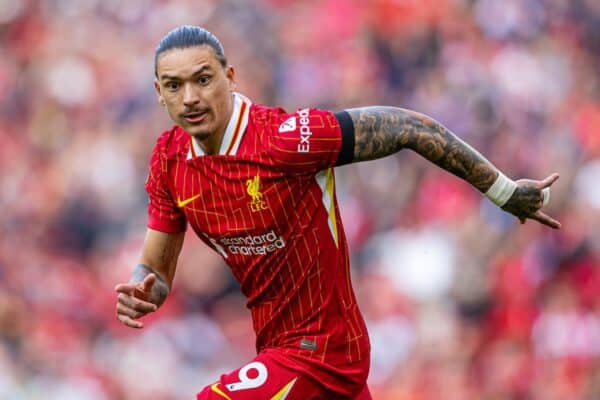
(195,117)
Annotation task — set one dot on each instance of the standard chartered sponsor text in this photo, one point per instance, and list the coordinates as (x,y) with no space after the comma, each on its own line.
(253,245)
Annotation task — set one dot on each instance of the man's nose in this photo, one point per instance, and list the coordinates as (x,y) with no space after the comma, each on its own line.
(190,96)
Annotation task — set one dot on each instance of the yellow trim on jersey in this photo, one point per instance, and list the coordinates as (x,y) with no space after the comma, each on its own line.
(192,153)
(326,183)
(215,388)
(237,125)
(283,393)
(331,192)
(238,133)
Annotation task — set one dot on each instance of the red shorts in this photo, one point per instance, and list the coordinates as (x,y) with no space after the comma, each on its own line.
(266,377)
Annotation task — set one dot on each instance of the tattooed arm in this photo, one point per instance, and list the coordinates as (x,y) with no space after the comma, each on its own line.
(151,279)
(381,131)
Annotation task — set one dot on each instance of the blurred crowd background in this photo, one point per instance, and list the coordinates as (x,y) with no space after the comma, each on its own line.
(462,301)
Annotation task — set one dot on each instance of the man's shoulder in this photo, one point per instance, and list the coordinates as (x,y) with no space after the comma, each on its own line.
(268,122)
(172,141)
(262,114)
(286,121)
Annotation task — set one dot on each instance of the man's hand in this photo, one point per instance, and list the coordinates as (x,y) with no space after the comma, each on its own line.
(134,301)
(527,201)
(151,279)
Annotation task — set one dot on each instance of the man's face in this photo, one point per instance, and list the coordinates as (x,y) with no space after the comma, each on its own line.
(196,90)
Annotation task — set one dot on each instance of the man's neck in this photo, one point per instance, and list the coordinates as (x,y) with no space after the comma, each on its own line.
(212,144)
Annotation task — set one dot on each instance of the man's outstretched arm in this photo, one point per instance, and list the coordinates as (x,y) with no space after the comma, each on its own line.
(381,131)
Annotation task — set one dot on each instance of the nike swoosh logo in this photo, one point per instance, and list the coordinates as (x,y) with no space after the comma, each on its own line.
(215,388)
(183,203)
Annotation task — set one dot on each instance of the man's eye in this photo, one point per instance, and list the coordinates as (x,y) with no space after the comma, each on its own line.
(172,85)
(204,80)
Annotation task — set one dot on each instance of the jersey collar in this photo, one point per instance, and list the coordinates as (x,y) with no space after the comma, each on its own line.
(234,132)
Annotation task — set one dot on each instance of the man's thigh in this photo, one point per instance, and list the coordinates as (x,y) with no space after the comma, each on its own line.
(262,378)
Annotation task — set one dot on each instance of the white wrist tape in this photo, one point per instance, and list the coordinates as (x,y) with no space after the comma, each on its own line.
(501,190)
(546,194)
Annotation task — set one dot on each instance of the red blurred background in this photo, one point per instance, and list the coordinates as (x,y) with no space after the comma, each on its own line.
(462,302)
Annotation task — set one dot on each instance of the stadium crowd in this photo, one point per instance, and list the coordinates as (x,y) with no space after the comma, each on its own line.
(462,301)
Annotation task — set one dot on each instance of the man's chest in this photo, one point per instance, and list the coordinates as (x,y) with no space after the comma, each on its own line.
(232,197)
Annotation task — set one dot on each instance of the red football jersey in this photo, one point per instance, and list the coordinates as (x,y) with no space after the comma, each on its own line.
(266,203)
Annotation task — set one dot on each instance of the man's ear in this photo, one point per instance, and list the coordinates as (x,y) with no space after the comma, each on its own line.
(230,73)
(161,100)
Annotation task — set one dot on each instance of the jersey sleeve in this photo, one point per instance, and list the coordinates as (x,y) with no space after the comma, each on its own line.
(312,140)
(163,214)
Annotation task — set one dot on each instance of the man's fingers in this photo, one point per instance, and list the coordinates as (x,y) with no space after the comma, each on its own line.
(130,306)
(545,219)
(549,180)
(137,289)
(136,304)
(148,282)
(129,322)
(126,288)
(131,313)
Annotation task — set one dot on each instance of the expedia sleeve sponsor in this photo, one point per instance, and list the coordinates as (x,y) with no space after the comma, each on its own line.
(307,141)
(305,132)
(253,245)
